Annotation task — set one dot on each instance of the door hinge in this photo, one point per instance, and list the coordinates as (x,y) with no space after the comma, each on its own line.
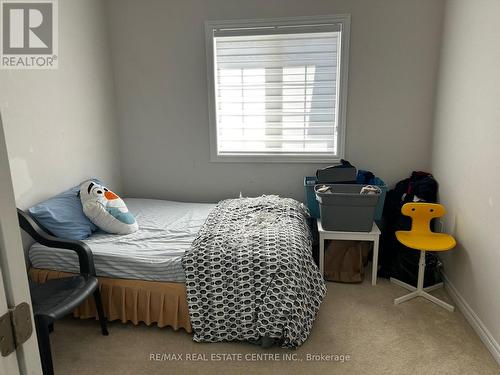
(16,328)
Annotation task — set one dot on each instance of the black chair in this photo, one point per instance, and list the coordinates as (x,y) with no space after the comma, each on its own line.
(56,298)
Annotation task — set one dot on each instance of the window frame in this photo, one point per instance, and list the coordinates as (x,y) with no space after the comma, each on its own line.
(345,21)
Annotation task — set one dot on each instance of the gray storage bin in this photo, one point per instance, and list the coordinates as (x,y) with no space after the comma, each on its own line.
(345,209)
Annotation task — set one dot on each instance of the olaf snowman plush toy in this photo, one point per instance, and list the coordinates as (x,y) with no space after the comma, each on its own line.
(106,209)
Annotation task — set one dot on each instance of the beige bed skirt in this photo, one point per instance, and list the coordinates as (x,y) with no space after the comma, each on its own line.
(163,303)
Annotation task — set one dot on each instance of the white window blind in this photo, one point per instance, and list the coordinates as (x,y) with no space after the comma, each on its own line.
(276,90)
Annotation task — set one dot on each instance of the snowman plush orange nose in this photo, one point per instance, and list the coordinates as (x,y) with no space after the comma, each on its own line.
(110,195)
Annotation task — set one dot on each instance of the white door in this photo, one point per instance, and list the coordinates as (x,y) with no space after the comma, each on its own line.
(9,364)
(14,287)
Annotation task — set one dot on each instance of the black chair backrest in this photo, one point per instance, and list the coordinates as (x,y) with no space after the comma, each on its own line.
(31,226)
(40,234)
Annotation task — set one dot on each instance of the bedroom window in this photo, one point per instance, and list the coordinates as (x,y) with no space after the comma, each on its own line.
(278,88)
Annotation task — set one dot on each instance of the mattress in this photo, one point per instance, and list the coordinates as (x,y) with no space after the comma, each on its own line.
(154,252)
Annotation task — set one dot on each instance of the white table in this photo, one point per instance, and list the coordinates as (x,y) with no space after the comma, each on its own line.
(373,235)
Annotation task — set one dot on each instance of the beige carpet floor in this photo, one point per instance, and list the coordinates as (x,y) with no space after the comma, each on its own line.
(355,320)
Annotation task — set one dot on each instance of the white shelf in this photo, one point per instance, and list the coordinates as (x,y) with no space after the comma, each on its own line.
(373,235)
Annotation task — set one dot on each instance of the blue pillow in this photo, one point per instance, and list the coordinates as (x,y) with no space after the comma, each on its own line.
(63,215)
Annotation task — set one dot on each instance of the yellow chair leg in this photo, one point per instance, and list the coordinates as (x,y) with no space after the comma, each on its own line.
(402,284)
(420,291)
(406,297)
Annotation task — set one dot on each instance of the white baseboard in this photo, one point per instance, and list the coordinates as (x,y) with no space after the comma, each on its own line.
(476,323)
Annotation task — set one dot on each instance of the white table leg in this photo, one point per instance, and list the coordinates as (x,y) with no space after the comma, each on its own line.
(321,255)
(375,261)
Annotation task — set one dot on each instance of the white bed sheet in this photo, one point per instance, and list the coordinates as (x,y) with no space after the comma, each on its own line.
(154,252)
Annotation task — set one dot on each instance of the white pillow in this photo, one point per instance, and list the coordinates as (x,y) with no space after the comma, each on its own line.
(106,209)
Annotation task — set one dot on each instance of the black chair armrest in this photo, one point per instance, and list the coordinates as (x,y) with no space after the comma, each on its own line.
(85,257)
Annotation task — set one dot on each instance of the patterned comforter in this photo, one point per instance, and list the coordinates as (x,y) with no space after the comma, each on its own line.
(250,273)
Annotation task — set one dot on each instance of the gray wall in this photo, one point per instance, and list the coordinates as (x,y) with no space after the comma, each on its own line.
(60,125)
(466,153)
(160,73)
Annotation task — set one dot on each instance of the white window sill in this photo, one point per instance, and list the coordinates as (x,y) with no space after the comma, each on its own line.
(275,159)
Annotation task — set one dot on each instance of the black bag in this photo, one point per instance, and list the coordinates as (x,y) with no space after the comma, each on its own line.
(419,184)
(344,173)
(397,260)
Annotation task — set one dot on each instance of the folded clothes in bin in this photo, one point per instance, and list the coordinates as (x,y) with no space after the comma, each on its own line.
(370,190)
(344,208)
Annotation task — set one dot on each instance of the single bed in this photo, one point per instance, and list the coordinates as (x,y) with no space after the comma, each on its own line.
(238,270)
(153,253)
(140,274)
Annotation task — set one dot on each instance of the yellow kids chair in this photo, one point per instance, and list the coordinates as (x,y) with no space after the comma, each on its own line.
(421,238)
